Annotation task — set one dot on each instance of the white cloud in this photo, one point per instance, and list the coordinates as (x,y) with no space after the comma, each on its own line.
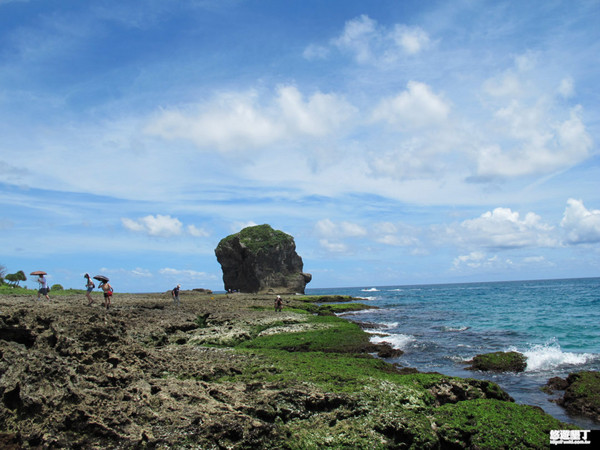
(370,42)
(159,225)
(240,121)
(357,36)
(333,247)
(473,259)
(238,226)
(411,39)
(503,228)
(479,260)
(566,88)
(581,225)
(505,85)
(327,228)
(388,233)
(533,143)
(139,272)
(193,230)
(416,107)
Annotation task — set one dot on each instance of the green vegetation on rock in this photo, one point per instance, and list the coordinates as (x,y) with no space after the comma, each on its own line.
(327,334)
(494,424)
(499,362)
(582,396)
(258,237)
(367,403)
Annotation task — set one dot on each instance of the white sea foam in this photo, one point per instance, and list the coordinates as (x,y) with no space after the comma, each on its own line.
(549,356)
(390,324)
(370,290)
(397,341)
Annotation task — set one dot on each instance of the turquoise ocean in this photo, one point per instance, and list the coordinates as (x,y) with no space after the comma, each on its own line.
(555,323)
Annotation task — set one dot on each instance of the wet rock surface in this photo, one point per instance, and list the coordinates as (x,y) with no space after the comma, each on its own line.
(581,393)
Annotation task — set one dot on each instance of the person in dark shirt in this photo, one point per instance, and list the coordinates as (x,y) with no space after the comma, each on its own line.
(175,295)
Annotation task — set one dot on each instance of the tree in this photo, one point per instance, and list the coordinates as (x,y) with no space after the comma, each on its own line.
(15,278)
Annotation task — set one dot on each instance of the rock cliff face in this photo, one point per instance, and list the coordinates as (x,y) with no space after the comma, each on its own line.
(261,259)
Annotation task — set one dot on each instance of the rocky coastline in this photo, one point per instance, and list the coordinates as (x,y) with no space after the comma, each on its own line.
(227,371)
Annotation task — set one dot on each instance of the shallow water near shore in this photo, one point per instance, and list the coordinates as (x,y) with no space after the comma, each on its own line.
(439,327)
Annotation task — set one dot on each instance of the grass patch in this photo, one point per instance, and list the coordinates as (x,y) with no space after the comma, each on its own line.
(8,290)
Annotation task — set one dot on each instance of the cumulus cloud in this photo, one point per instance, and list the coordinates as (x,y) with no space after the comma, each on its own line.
(327,228)
(162,226)
(159,225)
(503,228)
(411,39)
(332,234)
(240,121)
(533,144)
(370,42)
(333,247)
(139,272)
(416,107)
(388,233)
(582,226)
(357,37)
(479,260)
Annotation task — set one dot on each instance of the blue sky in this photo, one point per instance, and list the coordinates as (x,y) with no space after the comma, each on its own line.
(399,142)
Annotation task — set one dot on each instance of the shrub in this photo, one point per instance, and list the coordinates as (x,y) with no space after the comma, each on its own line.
(56,287)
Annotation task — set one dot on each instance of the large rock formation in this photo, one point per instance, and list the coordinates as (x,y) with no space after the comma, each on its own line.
(261,259)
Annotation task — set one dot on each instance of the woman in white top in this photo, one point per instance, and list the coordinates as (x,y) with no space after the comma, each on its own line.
(43,287)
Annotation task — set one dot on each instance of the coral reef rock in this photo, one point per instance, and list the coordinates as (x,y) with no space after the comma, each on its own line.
(499,362)
(260,259)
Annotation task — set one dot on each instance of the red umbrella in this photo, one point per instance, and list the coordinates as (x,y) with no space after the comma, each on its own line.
(38,272)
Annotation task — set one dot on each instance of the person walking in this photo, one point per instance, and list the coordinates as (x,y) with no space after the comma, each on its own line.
(278,304)
(89,285)
(108,292)
(43,287)
(175,295)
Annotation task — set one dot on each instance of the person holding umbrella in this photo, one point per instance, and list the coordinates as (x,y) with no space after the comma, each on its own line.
(106,288)
(43,290)
(89,285)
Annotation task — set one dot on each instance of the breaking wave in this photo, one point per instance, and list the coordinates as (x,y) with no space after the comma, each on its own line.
(549,356)
(397,341)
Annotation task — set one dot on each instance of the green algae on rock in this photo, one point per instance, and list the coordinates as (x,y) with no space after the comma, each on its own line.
(499,362)
(582,393)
